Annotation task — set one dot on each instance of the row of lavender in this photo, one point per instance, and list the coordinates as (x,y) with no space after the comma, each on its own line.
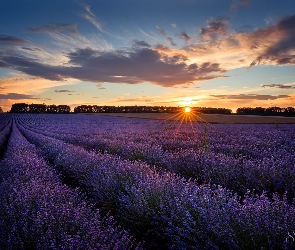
(239,157)
(167,210)
(5,126)
(37,211)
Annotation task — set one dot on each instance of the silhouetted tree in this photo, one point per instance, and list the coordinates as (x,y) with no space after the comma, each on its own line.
(272,111)
(1,111)
(63,109)
(37,108)
(52,109)
(19,108)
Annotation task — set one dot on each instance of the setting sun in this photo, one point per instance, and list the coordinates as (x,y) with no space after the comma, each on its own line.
(187,109)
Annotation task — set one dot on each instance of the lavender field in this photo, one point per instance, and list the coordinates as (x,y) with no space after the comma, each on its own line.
(101,182)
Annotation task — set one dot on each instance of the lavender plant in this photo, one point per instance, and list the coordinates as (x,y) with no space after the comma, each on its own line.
(39,212)
(169,211)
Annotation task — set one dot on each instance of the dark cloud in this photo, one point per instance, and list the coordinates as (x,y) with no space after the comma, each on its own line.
(15,96)
(185,37)
(163,32)
(11,40)
(133,67)
(281,51)
(30,49)
(63,91)
(31,67)
(216,29)
(55,27)
(280,86)
(251,97)
(170,40)
(141,44)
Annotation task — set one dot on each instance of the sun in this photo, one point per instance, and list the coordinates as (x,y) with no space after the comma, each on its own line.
(187,109)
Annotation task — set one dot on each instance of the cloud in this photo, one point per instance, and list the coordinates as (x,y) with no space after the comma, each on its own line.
(55,27)
(185,37)
(163,48)
(170,40)
(141,44)
(173,25)
(31,49)
(99,86)
(31,67)
(250,96)
(280,86)
(6,40)
(280,41)
(15,96)
(216,29)
(63,91)
(135,66)
(163,32)
(89,16)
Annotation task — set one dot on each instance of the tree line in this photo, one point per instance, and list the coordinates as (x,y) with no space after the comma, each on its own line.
(54,109)
(65,109)
(271,111)
(39,108)
(145,109)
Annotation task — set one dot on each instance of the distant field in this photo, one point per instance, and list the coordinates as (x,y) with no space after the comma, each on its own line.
(214,118)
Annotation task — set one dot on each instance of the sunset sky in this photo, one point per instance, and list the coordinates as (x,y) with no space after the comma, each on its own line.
(202,53)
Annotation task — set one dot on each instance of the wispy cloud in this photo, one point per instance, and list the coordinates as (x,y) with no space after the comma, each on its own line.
(141,44)
(92,18)
(280,86)
(54,27)
(170,40)
(216,29)
(99,86)
(62,91)
(16,96)
(6,40)
(185,37)
(162,31)
(251,96)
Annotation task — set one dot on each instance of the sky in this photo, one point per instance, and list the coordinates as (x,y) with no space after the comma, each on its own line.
(199,53)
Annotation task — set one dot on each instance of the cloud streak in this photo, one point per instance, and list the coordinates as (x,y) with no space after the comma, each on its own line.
(63,91)
(16,96)
(54,27)
(6,40)
(280,86)
(250,97)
